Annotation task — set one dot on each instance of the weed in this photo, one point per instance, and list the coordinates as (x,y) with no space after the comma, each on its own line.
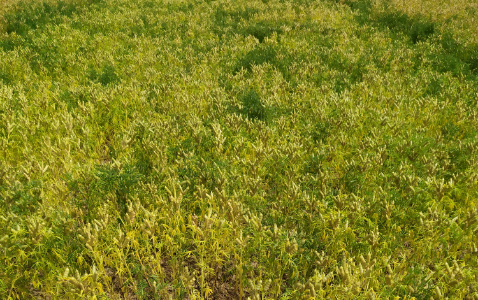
(416,29)
(25,198)
(261,30)
(252,106)
(257,56)
(106,76)
(28,17)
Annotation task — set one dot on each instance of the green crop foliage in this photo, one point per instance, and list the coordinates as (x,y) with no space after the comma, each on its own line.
(220,149)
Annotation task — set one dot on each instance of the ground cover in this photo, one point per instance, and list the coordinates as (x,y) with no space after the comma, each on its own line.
(158,149)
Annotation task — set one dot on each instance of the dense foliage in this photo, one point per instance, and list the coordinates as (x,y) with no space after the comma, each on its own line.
(223,149)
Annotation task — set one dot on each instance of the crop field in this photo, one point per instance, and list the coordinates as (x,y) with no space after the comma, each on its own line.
(233,149)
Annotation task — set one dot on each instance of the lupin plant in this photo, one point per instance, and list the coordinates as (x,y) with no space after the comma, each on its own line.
(220,149)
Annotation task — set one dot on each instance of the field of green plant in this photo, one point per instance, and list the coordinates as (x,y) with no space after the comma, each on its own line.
(225,149)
